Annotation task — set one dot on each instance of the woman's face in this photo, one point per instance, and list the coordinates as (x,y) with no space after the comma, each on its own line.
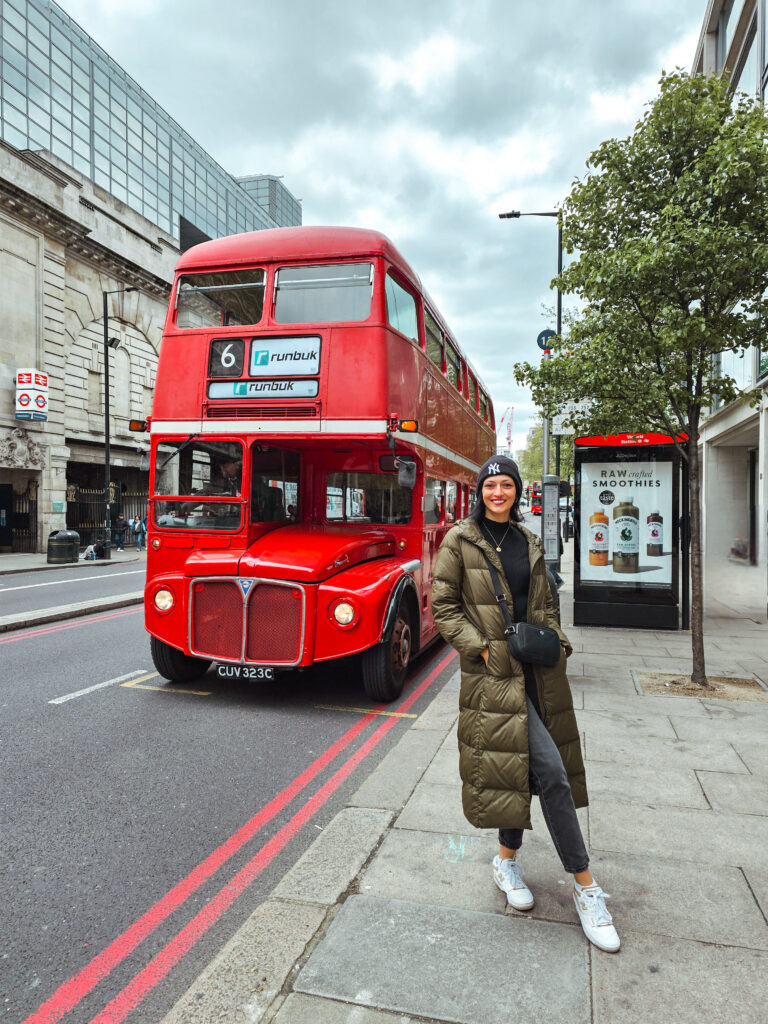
(499,493)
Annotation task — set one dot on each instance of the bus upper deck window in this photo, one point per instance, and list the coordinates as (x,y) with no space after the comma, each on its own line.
(231,297)
(401,309)
(334,293)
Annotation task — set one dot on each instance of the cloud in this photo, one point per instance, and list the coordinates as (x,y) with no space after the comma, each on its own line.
(424,120)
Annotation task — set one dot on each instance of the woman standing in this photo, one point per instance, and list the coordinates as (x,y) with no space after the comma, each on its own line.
(517,729)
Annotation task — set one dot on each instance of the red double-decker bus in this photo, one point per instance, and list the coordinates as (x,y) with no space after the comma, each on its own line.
(316,430)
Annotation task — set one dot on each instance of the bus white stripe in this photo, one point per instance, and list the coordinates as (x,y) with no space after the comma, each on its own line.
(345,427)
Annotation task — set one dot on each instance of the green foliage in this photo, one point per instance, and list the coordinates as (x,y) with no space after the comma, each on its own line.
(530,458)
(670,235)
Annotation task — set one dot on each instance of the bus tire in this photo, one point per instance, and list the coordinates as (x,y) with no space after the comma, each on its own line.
(386,664)
(175,666)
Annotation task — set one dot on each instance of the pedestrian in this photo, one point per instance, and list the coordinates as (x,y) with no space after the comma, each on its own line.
(517,729)
(119,528)
(99,548)
(139,530)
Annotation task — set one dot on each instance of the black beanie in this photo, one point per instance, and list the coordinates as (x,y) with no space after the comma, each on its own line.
(496,466)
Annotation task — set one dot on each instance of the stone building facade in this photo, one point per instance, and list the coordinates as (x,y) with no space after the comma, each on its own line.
(63,243)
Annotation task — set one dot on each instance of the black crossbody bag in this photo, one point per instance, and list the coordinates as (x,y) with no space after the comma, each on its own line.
(538,645)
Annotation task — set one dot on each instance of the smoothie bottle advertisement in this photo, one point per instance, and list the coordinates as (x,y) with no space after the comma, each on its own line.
(626,522)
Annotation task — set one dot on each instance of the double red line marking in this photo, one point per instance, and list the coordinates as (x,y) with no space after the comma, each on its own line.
(72,992)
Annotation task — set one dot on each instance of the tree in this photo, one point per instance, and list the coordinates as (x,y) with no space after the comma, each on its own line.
(530,458)
(670,232)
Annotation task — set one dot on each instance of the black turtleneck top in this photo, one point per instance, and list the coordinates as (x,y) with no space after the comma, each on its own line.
(517,569)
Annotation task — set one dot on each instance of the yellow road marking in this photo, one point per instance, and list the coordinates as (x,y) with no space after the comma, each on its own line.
(137,684)
(359,711)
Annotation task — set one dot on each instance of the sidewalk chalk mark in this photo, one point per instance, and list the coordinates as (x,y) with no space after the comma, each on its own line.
(141,672)
(137,684)
(78,623)
(363,711)
(457,850)
(139,987)
(68,995)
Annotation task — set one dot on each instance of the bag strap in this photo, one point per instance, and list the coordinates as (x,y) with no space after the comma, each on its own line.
(501,600)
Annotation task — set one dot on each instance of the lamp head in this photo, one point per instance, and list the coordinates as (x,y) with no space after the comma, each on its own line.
(114,342)
(507,216)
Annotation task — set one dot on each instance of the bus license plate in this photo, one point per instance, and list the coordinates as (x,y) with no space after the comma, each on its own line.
(245,671)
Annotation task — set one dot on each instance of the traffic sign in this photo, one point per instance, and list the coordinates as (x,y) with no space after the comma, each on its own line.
(543,339)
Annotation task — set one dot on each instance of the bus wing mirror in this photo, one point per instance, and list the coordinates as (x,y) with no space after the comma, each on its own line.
(406,474)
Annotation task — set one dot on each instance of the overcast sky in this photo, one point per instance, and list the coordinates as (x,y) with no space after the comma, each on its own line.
(421,118)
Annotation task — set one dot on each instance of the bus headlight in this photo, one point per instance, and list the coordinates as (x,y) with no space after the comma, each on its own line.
(344,613)
(164,599)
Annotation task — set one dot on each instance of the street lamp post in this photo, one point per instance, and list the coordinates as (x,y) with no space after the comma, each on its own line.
(108,343)
(515,215)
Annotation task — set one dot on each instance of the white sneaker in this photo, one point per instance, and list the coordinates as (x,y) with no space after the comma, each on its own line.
(595,918)
(508,875)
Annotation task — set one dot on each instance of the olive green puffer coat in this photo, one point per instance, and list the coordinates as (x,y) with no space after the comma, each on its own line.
(493,717)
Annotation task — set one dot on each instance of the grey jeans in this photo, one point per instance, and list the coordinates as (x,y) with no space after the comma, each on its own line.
(550,782)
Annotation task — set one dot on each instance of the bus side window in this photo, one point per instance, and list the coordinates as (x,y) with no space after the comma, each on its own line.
(451,489)
(401,309)
(434,501)
(434,337)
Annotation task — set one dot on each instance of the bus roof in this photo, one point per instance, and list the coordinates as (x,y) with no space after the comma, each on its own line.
(295,244)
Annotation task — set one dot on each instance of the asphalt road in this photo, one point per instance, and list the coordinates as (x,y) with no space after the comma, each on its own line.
(122,808)
(33,591)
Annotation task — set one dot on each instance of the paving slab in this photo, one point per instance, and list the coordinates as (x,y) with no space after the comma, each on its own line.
(451,870)
(701,837)
(654,895)
(755,756)
(679,982)
(301,1009)
(737,794)
(628,724)
(733,730)
(442,712)
(453,684)
(390,785)
(640,784)
(444,769)
(437,808)
(238,986)
(757,880)
(325,870)
(645,704)
(453,965)
(713,754)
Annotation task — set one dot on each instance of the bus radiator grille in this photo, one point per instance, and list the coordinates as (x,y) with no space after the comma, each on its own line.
(274,624)
(217,619)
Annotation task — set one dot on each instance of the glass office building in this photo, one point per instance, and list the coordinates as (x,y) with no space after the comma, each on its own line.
(62,93)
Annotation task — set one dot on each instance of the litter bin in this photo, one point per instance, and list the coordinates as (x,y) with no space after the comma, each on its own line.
(63,547)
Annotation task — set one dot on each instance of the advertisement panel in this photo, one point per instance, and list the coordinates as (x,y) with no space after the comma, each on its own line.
(623,512)
(627,532)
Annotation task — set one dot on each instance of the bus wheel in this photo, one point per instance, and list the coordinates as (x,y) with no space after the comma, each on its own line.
(385,665)
(174,665)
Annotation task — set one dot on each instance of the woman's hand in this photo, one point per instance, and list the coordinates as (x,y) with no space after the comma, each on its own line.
(485,655)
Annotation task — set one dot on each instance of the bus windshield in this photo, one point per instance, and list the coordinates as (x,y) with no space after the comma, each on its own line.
(196,476)
(366,498)
(274,484)
(332,293)
(220,299)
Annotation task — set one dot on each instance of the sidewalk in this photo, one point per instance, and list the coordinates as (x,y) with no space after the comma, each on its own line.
(391,916)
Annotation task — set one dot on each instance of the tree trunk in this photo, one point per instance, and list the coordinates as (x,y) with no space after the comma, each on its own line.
(698,673)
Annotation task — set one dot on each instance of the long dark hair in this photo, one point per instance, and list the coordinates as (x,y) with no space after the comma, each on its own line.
(477,511)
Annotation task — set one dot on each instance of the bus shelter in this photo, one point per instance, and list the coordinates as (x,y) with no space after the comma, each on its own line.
(627,542)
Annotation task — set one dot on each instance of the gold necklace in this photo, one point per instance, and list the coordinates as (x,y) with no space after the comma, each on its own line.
(497,544)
